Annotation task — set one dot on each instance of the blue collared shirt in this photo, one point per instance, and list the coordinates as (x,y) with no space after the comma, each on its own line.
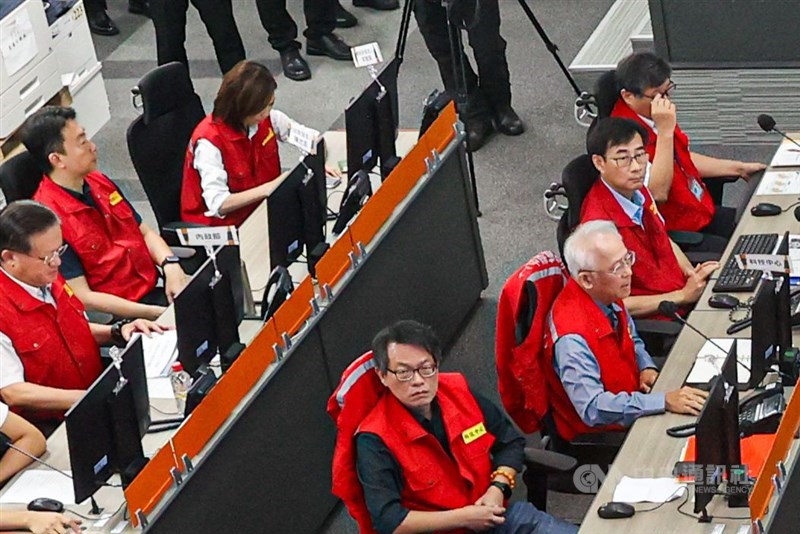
(580,374)
(633,208)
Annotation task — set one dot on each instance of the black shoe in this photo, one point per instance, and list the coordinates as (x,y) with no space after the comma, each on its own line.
(330,45)
(344,19)
(478,132)
(139,7)
(294,65)
(382,5)
(507,121)
(101,24)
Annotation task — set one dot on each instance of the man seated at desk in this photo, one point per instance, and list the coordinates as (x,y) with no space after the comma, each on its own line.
(48,350)
(602,372)
(112,257)
(433,455)
(661,270)
(644,90)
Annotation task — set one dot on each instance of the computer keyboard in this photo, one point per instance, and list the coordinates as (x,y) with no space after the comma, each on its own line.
(160,350)
(734,279)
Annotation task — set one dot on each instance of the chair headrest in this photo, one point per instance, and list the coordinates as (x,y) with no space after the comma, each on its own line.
(20,177)
(606,93)
(165,89)
(578,178)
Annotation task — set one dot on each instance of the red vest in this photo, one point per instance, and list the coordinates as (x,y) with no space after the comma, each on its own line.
(248,162)
(106,238)
(682,210)
(521,360)
(55,345)
(574,312)
(656,270)
(434,480)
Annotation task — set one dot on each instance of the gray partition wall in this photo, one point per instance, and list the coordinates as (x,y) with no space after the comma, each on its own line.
(732,34)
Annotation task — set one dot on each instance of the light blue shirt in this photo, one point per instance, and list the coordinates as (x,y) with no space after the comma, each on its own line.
(633,208)
(580,374)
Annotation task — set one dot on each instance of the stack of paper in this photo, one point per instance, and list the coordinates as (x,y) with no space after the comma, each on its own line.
(658,490)
(710,359)
(35,483)
(788,154)
(779,183)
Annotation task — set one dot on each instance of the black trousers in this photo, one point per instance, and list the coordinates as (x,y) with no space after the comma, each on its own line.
(94,6)
(490,88)
(282,29)
(169,19)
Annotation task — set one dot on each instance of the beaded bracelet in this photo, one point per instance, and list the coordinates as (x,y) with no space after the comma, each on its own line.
(506,474)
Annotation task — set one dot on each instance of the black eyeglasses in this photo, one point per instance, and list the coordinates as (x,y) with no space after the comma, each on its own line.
(623,162)
(667,93)
(406,375)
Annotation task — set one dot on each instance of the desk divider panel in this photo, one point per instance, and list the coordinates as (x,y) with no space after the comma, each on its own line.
(335,262)
(291,315)
(239,379)
(441,132)
(763,488)
(151,483)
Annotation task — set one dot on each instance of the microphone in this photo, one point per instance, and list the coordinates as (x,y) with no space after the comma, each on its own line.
(797,213)
(670,309)
(767,123)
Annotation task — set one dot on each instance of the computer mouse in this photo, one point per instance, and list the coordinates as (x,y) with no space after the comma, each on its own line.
(616,510)
(723,301)
(43,504)
(765,209)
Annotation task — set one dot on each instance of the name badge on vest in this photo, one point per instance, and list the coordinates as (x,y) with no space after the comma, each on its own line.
(114,198)
(473,433)
(696,188)
(68,290)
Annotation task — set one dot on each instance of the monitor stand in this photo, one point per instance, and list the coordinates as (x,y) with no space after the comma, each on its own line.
(386,135)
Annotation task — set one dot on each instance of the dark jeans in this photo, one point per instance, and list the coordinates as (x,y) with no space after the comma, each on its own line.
(490,88)
(282,29)
(525,518)
(169,19)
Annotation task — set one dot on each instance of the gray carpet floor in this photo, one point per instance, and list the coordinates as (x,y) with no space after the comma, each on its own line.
(512,173)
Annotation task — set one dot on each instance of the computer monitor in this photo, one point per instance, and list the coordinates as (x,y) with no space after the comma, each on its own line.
(371,122)
(358,191)
(718,448)
(764,333)
(298,210)
(206,315)
(783,308)
(105,427)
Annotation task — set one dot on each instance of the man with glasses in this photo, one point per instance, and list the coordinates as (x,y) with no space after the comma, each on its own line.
(112,259)
(662,271)
(676,177)
(48,350)
(603,373)
(433,455)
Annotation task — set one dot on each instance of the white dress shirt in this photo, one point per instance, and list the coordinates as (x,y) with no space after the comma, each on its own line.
(214,177)
(11,368)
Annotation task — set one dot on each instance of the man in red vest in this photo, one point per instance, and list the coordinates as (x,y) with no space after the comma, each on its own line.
(49,352)
(662,271)
(676,176)
(433,455)
(602,374)
(113,256)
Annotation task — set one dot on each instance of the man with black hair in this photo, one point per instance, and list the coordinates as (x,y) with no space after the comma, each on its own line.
(488,91)
(433,455)
(644,89)
(662,271)
(113,256)
(49,352)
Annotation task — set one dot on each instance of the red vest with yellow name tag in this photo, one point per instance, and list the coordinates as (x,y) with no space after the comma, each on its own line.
(55,345)
(106,238)
(433,479)
(248,163)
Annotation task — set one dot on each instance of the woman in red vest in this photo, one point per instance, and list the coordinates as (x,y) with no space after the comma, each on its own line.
(232,161)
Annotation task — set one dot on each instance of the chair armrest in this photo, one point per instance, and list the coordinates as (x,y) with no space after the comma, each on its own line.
(685,238)
(655,326)
(697,258)
(549,461)
(183,252)
(99,317)
(608,439)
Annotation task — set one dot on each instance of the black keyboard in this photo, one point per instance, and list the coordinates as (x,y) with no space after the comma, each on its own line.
(734,279)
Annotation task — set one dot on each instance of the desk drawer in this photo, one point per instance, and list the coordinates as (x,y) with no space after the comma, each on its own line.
(72,41)
(27,96)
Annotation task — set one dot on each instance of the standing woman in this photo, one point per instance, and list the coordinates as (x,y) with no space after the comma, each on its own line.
(232,158)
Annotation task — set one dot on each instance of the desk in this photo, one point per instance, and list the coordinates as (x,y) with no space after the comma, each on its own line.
(648,451)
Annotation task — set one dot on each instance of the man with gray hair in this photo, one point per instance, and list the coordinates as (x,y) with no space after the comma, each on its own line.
(602,372)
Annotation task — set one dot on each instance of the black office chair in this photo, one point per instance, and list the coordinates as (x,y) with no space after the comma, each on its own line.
(158,138)
(279,287)
(19,177)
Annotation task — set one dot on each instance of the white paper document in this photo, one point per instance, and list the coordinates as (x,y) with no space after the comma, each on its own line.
(657,490)
(160,350)
(160,388)
(794,255)
(17,41)
(788,154)
(35,483)
(710,359)
(779,183)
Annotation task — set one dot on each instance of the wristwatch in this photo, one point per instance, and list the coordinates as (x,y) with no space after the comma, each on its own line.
(170,259)
(505,488)
(116,333)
